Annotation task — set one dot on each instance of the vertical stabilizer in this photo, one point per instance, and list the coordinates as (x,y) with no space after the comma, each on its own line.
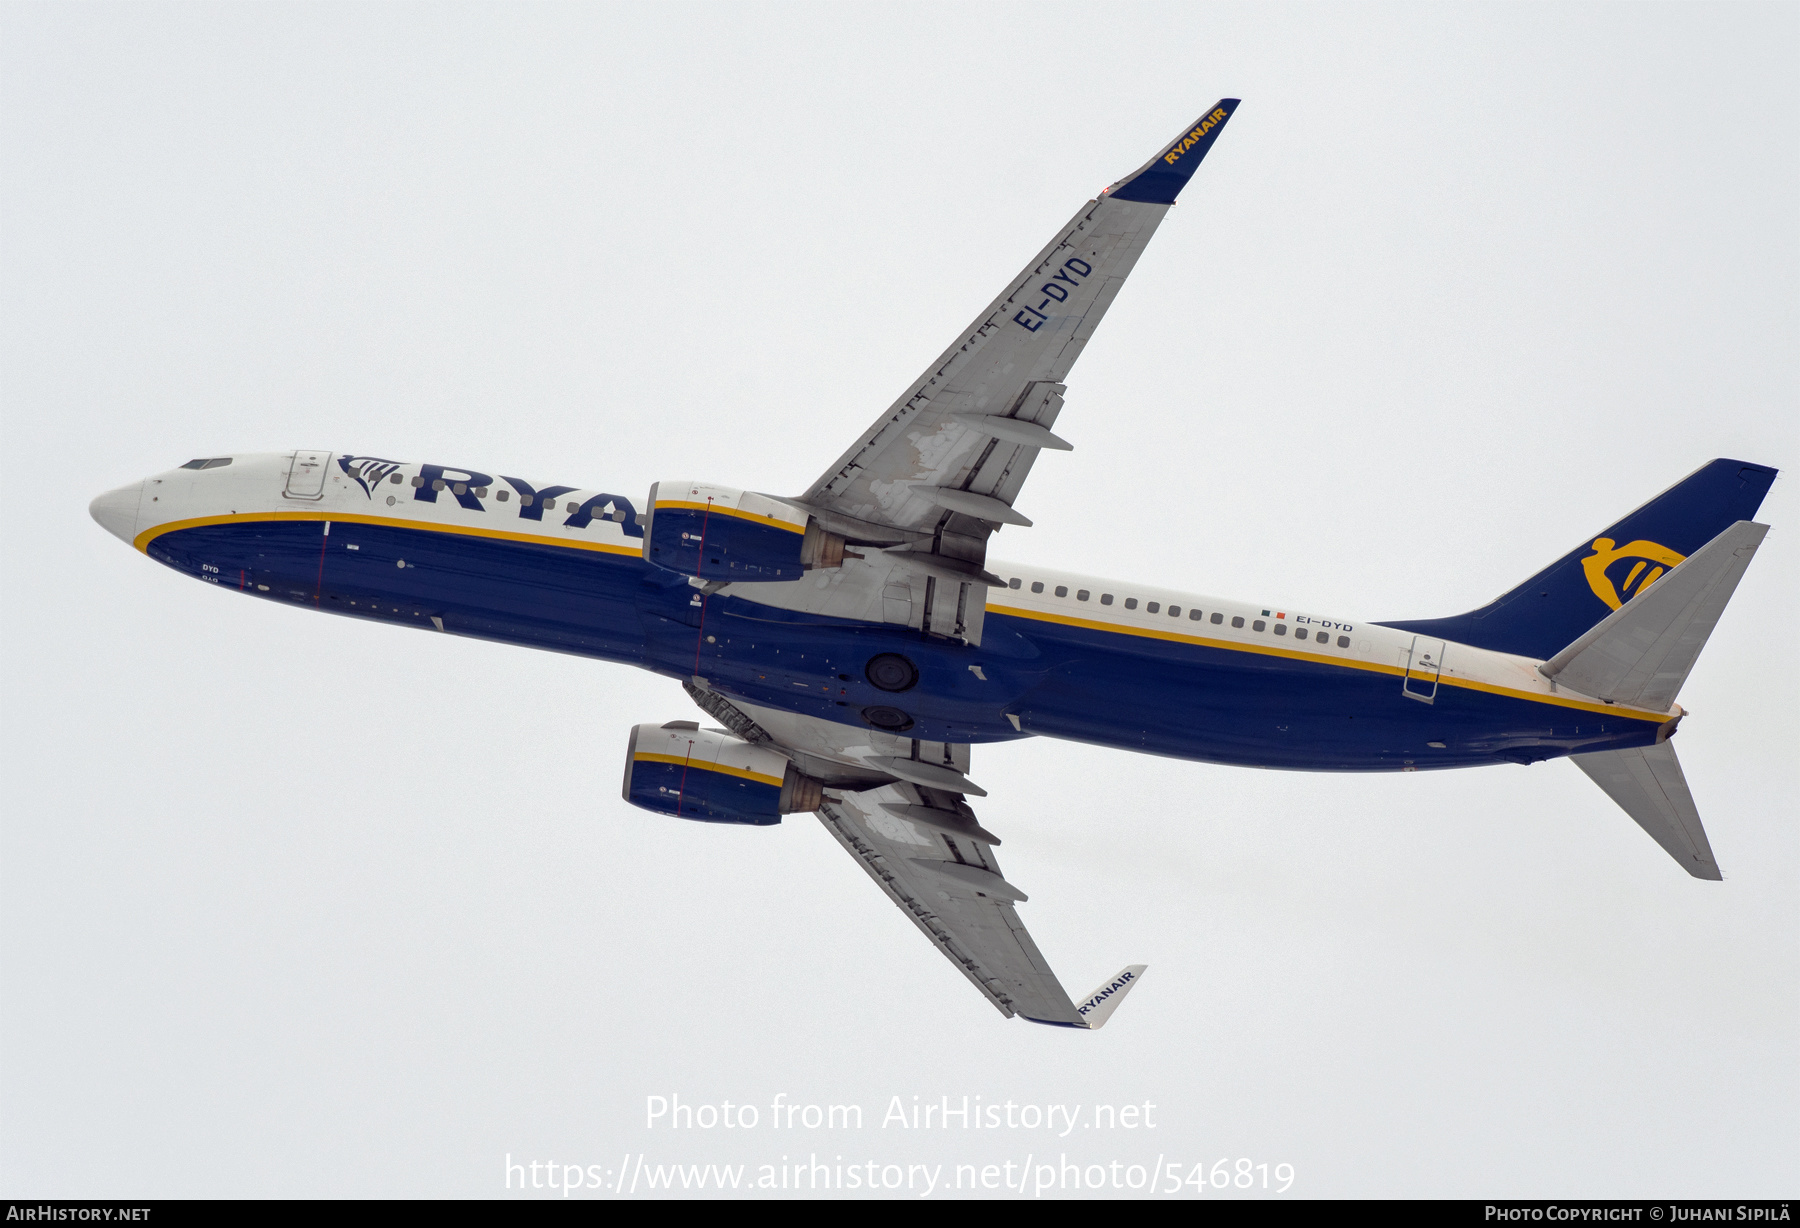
(1556,606)
(1647,783)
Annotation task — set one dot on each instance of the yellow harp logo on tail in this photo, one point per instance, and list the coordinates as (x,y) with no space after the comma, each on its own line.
(1648,560)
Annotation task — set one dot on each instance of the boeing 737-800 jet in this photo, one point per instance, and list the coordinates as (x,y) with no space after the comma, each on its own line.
(852,643)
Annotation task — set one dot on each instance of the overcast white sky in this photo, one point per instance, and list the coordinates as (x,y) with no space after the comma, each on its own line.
(299,906)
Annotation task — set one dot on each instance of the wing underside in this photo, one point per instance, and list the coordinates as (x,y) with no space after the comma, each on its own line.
(898,806)
(950,886)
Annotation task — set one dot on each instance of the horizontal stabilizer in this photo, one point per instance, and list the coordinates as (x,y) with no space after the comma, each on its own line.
(1641,653)
(1647,783)
(1098,1006)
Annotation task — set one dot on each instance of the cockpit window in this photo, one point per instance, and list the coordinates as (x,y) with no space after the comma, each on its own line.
(215,462)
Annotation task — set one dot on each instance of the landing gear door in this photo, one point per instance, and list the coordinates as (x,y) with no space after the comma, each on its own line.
(1423,662)
(306,476)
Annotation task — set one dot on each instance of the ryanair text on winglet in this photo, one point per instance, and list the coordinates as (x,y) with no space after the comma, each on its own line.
(1193,138)
(1125,979)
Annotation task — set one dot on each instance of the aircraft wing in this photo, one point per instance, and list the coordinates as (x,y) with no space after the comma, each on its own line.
(944,876)
(897,806)
(951,454)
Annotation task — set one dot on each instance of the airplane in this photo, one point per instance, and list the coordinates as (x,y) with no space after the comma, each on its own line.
(853,643)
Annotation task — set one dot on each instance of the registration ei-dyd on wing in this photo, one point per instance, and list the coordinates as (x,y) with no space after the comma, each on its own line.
(851,644)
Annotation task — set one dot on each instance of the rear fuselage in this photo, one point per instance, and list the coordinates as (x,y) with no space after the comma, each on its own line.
(1061,655)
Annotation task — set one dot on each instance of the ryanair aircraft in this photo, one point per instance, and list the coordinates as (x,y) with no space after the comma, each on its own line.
(851,644)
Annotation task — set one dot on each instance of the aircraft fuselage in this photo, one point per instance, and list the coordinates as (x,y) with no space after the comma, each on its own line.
(1060,655)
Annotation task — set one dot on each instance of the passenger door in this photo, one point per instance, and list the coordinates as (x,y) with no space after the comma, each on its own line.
(306,476)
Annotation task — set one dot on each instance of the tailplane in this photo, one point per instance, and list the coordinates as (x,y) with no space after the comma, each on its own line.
(1647,783)
(1641,653)
(1554,608)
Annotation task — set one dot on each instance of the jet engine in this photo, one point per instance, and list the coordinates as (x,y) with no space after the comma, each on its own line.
(710,776)
(717,533)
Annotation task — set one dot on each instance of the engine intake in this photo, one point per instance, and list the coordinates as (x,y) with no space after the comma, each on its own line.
(717,533)
(710,776)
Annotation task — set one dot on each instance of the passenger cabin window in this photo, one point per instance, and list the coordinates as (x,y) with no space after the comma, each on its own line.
(396,479)
(502,495)
(1174,611)
(1081,594)
(1258,625)
(1062,590)
(1037,586)
(1280,628)
(524,500)
(1299,633)
(1105,598)
(1013,583)
(418,481)
(1152,607)
(1131,603)
(1219,618)
(1194,616)
(1343,641)
(1237,620)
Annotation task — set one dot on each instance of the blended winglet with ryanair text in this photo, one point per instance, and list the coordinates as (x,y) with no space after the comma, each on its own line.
(854,643)
(1160,180)
(1098,1006)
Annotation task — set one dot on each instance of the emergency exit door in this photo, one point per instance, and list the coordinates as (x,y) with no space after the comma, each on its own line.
(1423,662)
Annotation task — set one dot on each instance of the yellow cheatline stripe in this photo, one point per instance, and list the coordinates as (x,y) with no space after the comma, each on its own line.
(678,761)
(718,510)
(1636,714)
(143,540)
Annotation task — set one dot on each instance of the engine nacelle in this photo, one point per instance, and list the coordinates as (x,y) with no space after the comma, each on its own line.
(717,533)
(713,777)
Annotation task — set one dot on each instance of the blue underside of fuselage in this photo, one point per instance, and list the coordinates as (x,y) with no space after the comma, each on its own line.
(1109,688)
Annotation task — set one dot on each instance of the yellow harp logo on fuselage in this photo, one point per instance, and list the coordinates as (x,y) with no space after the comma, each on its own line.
(1649,562)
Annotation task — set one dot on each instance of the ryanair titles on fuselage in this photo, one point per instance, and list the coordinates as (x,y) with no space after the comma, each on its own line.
(470,488)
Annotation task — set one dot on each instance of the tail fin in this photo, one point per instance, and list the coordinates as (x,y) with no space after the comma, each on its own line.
(1647,783)
(1555,607)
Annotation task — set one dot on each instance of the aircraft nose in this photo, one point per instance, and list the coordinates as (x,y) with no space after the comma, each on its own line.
(116,511)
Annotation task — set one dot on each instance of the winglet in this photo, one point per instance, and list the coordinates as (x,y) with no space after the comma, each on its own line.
(1098,1006)
(1161,179)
